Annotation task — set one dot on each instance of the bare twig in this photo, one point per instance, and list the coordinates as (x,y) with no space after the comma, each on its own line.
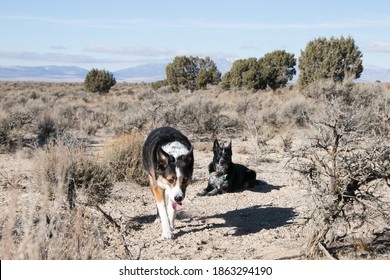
(325,251)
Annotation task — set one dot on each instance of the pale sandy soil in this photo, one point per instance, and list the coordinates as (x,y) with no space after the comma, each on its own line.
(265,222)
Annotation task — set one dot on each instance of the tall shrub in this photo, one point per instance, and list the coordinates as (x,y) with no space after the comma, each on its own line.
(99,81)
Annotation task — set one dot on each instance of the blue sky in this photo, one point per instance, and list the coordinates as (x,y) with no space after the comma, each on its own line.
(117,34)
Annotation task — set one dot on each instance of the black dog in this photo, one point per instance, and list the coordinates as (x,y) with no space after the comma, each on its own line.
(168,158)
(226,176)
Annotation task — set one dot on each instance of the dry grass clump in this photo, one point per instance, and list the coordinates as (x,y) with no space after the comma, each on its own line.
(36,221)
(38,228)
(83,178)
(58,212)
(271,119)
(137,117)
(123,157)
(295,111)
(93,179)
(14,126)
(203,115)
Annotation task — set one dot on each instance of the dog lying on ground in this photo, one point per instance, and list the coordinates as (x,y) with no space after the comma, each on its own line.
(169,161)
(226,176)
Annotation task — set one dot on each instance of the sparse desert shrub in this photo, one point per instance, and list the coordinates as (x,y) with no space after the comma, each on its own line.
(86,175)
(120,106)
(46,128)
(89,126)
(99,81)
(91,120)
(50,126)
(158,84)
(295,109)
(66,115)
(277,68)
(202,115)
(198,116)
(42,229)
(334,58)
(35,220)
(13,127)
(260,132)
(84,179)
(192,73)
(372,101)
(348,170)
(137,118)
(329,89)
(123,158)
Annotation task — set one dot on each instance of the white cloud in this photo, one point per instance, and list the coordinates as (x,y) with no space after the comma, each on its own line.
(146,51)
(131,50)
(51,57)
(58,47)
(251,47)
(378,47)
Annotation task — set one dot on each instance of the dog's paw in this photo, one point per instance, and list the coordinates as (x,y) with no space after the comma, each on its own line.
(202,193)
(214,192)
(167,235)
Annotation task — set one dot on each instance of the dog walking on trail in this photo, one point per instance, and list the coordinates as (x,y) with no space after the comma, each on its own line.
(169,161)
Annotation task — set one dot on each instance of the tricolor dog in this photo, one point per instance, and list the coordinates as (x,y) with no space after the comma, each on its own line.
(226,176)
(169,161)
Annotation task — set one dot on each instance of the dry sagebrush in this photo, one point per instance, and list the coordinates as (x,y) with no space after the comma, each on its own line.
(36,222)
(347,164)
(123,158)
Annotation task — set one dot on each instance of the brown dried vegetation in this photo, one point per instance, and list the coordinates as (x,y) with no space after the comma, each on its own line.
(66,153)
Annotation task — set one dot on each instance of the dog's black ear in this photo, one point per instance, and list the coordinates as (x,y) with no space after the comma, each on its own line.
(230,145)
(163,159)
(189,157)
(216,145)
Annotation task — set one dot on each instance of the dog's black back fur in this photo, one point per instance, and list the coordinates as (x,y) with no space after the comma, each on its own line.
(222,169)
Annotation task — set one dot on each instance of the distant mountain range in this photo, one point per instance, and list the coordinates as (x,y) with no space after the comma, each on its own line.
(146,73)
(43,73)
(142,73)
(373,73)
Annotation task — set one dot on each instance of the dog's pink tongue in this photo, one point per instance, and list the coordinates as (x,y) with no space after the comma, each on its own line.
(176,206)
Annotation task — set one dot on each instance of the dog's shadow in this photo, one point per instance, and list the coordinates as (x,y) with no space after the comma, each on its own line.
(263,187)
(250,220)
(242,221)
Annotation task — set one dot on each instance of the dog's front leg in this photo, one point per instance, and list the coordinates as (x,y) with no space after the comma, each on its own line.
(167,230)
(208,189)
(214,192)
(159,194)
(171,212)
